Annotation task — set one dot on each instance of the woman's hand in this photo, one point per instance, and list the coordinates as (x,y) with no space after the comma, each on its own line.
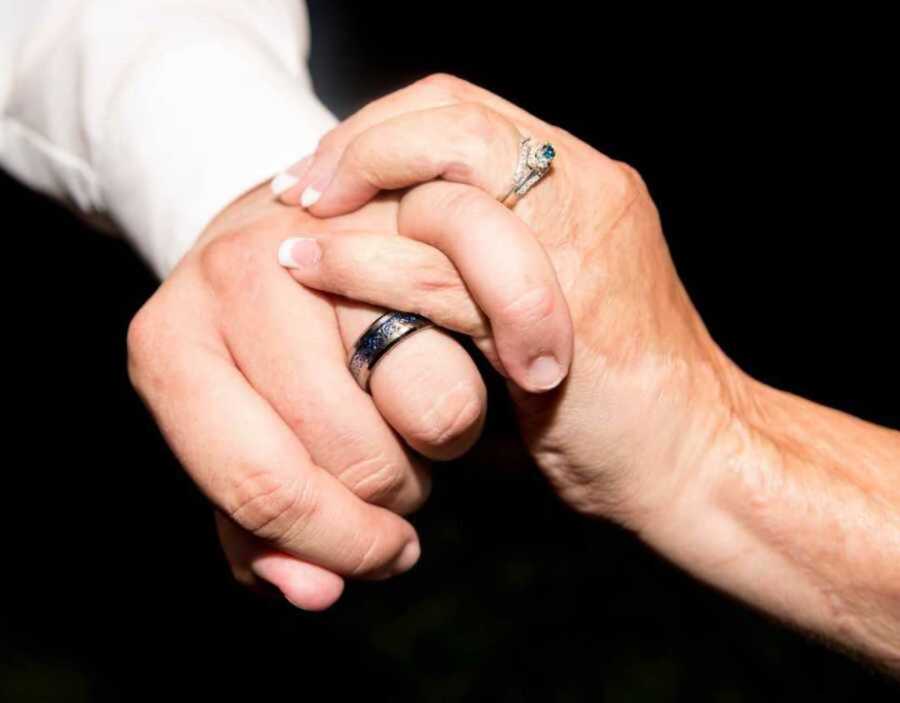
(649,392)
(792,506)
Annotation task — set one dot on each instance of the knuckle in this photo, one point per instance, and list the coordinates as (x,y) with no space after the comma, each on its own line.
(479,121)
(141,335)
(532,307)
(158,361)
(375,478)
(270,508)
(367,158)
(330,141)
(441,85)
(437,278)
(451,416)
(145,342)
(482,133)
(370,557)
(360,156)
(230,261)
(439,293)
(626,183)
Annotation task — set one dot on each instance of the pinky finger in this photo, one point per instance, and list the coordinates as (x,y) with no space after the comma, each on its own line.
(304,585)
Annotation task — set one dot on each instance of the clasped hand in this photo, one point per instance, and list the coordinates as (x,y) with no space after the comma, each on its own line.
(245,371)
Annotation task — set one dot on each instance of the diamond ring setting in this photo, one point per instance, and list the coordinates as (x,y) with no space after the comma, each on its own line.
(534,162)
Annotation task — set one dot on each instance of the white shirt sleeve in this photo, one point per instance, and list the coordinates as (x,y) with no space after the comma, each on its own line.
(154,113)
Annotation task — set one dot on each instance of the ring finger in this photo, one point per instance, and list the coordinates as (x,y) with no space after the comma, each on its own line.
(285,342)
(505,268)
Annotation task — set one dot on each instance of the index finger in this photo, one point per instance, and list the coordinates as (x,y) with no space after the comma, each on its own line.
(475,247)
(307,179)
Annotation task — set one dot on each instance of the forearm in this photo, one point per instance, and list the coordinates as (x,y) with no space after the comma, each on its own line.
(797,511)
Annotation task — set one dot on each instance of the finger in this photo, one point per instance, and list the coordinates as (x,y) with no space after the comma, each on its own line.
(427,387)
(440,415)
(522,297)
(387,271)
(286,342)
(311,174)
(464,143)
(304,183)
(253,468)
(396,273)
(304,585)
(507,272)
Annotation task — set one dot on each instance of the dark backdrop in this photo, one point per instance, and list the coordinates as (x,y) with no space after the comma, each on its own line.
(768,142)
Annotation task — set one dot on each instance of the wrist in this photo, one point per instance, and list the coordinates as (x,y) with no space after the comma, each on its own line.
(790,510)
(720,470)
(692,426)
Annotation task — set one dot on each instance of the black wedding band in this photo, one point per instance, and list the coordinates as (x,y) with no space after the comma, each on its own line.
(382,335)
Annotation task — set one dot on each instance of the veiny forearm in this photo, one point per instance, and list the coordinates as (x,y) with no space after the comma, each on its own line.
(798,513)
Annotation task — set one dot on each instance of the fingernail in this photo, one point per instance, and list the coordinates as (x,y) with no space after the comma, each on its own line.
(408,557)
(300,252)
(286,180)
(310,197)
(545,373)
(283,182)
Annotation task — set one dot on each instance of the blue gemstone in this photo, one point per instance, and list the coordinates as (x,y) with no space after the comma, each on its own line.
(549,152)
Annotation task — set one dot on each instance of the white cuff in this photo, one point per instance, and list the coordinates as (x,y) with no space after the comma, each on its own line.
(192,131)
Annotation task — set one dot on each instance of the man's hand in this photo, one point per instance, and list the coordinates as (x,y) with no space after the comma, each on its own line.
(245,373)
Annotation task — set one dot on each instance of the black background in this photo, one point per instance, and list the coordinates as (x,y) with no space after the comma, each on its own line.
(768,142)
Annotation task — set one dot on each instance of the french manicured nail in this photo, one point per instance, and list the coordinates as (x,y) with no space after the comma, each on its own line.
(317,179)
(283,182)
(309,197)
(300,252)
(286,180)
(545,373)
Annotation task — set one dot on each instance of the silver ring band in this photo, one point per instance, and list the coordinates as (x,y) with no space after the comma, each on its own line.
(379,338)
(534,163)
